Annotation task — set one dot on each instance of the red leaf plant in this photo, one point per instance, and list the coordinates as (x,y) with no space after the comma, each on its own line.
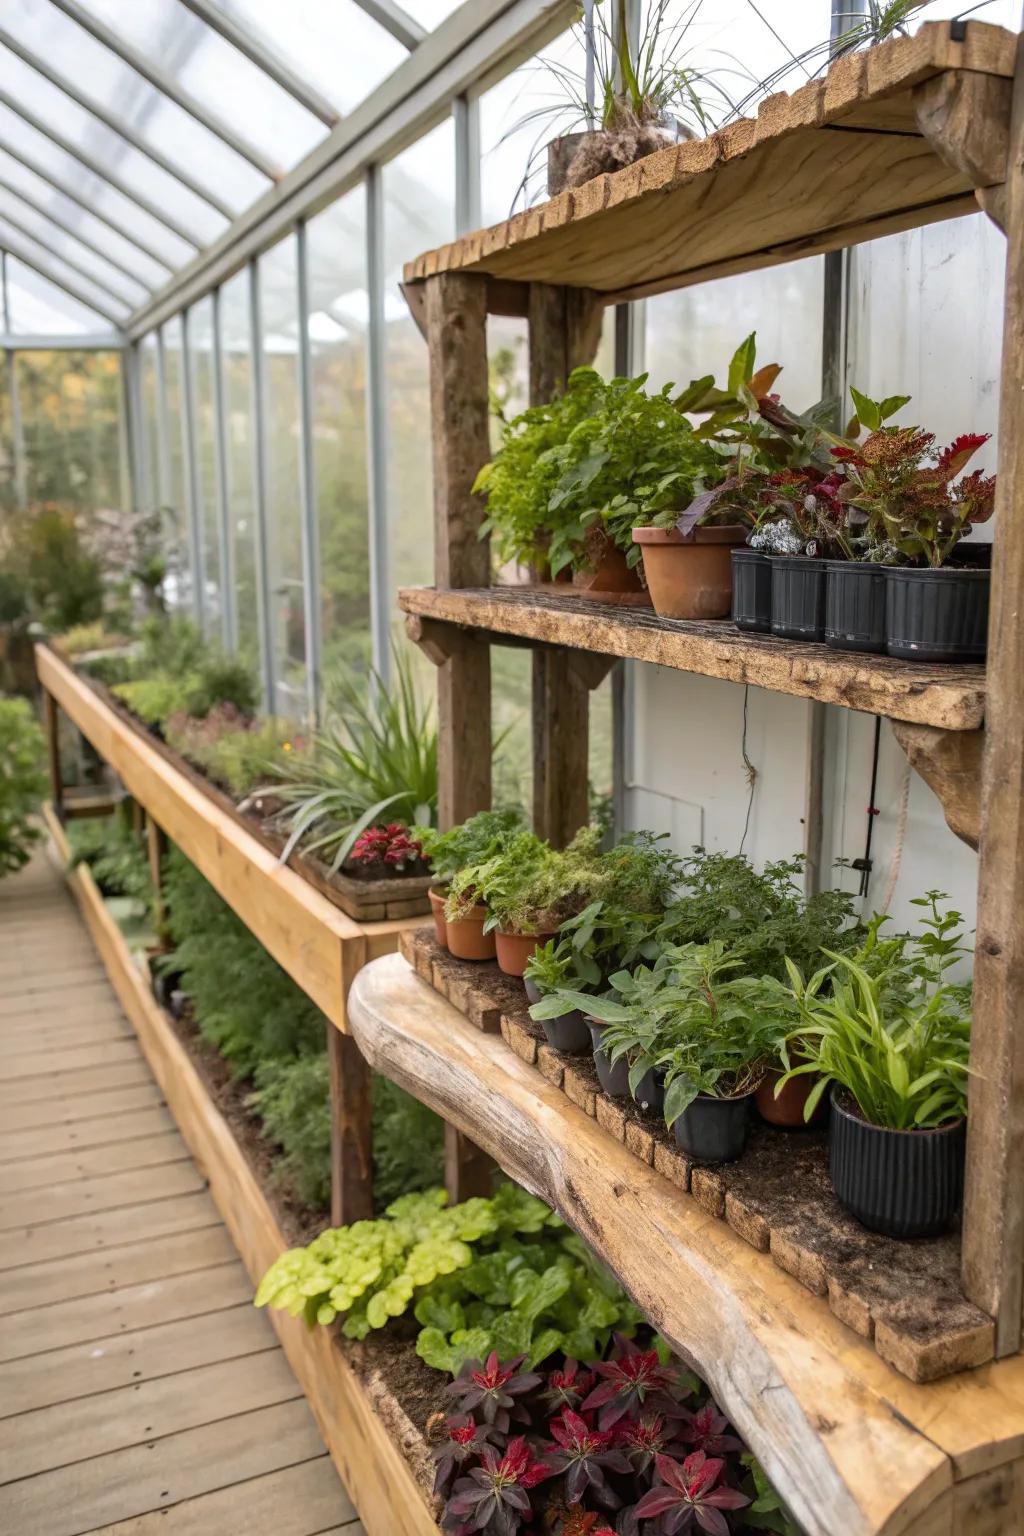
(390,845)
(584,1455)
(688,1495)
(491,1390)
(496,1494)
(629,1380)
(568,1387)
(706,1430)
(466,1441)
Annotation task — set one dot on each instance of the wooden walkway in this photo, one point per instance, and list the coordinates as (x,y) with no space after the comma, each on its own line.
(140,1391)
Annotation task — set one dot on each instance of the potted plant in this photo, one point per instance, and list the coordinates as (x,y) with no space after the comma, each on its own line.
(916,597)
(550,970)
(470,842)
(891,1037)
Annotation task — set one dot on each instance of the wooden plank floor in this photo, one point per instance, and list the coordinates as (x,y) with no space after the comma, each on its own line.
(140,1391)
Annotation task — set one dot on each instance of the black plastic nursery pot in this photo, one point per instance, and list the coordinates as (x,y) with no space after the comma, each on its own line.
(855,606)
(899,1183)
(714,1130)
(937,615)
(614,1078)
(798,597)
(751,590)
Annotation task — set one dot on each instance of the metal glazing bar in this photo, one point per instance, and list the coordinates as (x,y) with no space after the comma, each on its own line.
(127,457)
(85,341)
(376,428)
(307,486)
(67,261)
(115,124)
(190,461)
(11,363)
(132,365)
(394,20)
(139,199)
(466,116)
(259,486)
(163,450)
(242,38)
(226,544)
(69,229)
(42,268)
(167,86)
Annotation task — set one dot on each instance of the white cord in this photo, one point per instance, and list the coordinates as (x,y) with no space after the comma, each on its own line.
(901,833)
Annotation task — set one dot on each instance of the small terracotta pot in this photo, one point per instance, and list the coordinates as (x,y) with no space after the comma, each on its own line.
(466,937)
(437,901)
(607,569)
(514,949)
(689,575)
(787,1111)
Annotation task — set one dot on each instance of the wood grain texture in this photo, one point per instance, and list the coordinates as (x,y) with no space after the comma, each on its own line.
(852,1445)
(840,160)
(351,1131)
(950,764)
(994,1192)
(951,698)
(370,1465)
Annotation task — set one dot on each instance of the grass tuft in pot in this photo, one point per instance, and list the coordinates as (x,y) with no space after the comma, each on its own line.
(890,1035)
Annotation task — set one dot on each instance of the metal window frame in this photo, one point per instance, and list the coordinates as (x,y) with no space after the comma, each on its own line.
(259,481)
(225,541)
(403,27)
(68,261)
(190,475)
(310,526)
(10,362)
(41,269)
(114,124)
(245,40)
(377,430)
(74,234)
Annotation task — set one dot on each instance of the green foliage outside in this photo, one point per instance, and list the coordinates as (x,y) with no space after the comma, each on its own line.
(115,856)
(22,782)
(503,1274)
(176,670)
(60,582)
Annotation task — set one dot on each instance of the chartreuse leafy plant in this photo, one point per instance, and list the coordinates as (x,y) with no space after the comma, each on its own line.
(472,841)
(485,1275)
(22,782)
(885,1025)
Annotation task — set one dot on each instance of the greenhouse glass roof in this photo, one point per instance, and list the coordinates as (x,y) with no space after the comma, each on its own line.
(133,137)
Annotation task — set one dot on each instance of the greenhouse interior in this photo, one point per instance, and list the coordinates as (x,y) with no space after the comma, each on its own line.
(511,767)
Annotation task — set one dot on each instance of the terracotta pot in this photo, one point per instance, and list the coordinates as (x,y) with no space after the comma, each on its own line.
(787,1111)
(466,937)
(437,901)
(689,575)
(514,949)
(607,569)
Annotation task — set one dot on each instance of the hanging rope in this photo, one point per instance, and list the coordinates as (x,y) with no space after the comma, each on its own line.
(748,768)
(901,833)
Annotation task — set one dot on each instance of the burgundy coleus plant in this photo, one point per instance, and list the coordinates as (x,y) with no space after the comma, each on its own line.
(466,1441)
(567,1388)
(689,1493)
(490,1390)
(584,1455)
(389,845)
(495,1496)
(644,1438)
(706,1429)
(628,1381)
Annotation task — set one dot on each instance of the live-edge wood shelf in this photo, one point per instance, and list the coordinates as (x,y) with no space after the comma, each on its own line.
(854,1448)
(951,698)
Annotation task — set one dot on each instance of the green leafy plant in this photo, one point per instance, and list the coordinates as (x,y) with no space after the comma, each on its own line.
(376,760)
(483,1275)
(234,749)
(94,636)
(472,841)
(62,582)
(22,782)
(115,856)
(885,1025)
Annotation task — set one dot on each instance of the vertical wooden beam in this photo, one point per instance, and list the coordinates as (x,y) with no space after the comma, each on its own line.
(993,1230)
(351,1130)
(156,851)
(456,331)
(565,329)
(51,725)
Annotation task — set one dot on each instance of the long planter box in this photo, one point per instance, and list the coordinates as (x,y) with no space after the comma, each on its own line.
(319,946)
(376,1475)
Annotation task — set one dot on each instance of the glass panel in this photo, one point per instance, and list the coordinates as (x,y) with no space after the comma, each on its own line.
(216,75)
(35,226)
(17,178)
(338,48)
(8,489)
(91,294)
(279,301)
(149,430)
(71,422)
(518,117)
(419,212)
(200,340)
(234,320)
(101,77)
(133,169)
(336,248)
(429,13)
(37,307)
(179,583)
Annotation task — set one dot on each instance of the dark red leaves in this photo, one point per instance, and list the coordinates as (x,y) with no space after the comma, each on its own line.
(386,845)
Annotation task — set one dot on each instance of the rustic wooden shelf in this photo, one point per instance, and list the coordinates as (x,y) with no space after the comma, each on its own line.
(951,698)
(379,1480)
(852,1446)
(904,1296)
(843,159)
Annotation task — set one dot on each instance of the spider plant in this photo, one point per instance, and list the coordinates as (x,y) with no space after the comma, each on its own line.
(375,757)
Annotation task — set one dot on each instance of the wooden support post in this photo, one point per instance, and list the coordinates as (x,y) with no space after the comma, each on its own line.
(565,329)
(351,1130)
(51,725)
(456,330)
(156,851)
(993,1229)
(950,762)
